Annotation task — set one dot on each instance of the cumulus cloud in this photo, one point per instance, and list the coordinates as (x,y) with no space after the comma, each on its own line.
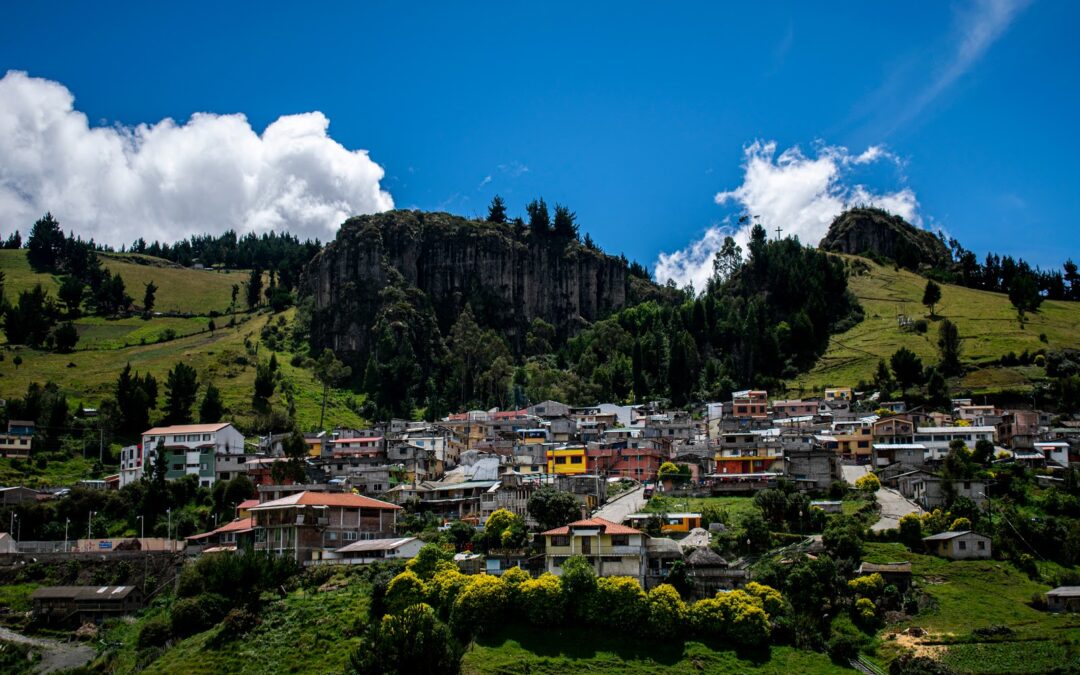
(167,180)
(798,193)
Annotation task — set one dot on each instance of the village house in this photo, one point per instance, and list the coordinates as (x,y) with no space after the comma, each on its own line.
(570,460)
(893,430)
(313,525)
(930,491)
(896,573)
(228,537)
(131,464)
(796,408)
(910,455)
(612,549)
(376,550)
(196,450)
(963,545)
(937,439)
(1019,429)
(1063,599)
(813,468)
(18,440)
(81,604)
(641,464)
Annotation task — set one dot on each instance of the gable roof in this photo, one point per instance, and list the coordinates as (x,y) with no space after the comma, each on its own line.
(945,536)
(375,545)
(342,499)
(238,525)
(607,526)
(187,429)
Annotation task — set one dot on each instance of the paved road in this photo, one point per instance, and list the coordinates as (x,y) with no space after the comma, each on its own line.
(55,655)
(629,502)
(892,503)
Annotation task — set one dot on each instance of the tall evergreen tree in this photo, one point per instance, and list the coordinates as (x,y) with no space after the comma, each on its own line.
(539,219)
(254,288)
(46,243)
(211,409)
(149,295)
(949,347)
(565,223)
(497,210)
(181,387)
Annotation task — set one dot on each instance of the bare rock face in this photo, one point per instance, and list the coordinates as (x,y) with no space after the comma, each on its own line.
(873,231)
(442,262)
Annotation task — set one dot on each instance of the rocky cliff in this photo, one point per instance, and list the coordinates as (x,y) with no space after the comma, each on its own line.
(873,232)
(441,262)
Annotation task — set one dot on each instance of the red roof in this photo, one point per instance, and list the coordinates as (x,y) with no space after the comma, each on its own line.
(247,504)
(343,499)
(187,429)
(238,525)
(606,525)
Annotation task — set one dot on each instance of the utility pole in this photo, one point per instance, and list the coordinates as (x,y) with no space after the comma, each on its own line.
(67,521)
(101,445)
(89,532)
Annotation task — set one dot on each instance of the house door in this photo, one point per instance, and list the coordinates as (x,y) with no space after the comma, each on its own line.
(586,546)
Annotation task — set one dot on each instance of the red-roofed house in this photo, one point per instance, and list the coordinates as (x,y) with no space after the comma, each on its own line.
(312,525)
(613,549)
(227,537)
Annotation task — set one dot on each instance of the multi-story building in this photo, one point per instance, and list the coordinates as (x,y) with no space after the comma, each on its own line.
(131,464)
(310,526)
(612,549)
(196,449)
(794,408)
(937,439)
(570,460)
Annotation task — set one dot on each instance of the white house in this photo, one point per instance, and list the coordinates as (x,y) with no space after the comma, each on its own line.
(937,439)
(131,464)
(376,550)
(963,545)
(195,449)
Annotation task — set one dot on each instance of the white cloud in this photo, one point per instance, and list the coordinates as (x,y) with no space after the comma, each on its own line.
(166,181)
(795,192)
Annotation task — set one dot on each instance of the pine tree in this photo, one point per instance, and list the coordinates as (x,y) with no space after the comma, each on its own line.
(254,288)
(211,409)
(565,222)
(181,386)
(497,210)
(539,220)
(949,348)
(149,295)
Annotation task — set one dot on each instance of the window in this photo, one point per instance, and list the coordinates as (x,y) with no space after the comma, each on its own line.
(963,545)
(206,437)
(177,467)
(576,459)
(620,540)
(350,536)
(331,536)
(560,460)
(560,540)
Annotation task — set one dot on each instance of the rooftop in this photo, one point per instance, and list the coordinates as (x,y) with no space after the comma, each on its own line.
(187,429)
(375,545)
(606,526)
(307,498)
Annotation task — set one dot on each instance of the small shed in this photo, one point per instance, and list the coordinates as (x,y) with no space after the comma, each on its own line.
(86,603)
(896,573)
(962,545)
(1063,599)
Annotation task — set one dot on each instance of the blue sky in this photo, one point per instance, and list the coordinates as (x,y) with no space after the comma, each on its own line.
(637,116)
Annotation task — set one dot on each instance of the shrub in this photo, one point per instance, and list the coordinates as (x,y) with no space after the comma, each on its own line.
(190,583)
(426,561)
(667,611)
(413,642)
(869,586)
(238,622)
(771,599)
(868,483)
(194,615)
(405,590)
(736,616)
(480,604)
(154,633)
(620,603)
(513,578)
(542,600)
(960,525)
(864,612)
(444,587)
(578,584)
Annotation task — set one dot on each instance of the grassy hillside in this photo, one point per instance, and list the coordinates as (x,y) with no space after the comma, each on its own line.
(987,321)
(227,356)
(179,289)
(980,594)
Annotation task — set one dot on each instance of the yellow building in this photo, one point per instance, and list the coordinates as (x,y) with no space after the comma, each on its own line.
(855,443)
(566,461)
(838,394)
(671,522)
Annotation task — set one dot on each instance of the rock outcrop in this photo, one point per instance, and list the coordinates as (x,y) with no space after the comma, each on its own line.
(873,232)
(509,277)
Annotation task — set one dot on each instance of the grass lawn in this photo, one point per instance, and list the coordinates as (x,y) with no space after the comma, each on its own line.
(736,507)
(98,333)
(978,594)
(527,650)
(987,323)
